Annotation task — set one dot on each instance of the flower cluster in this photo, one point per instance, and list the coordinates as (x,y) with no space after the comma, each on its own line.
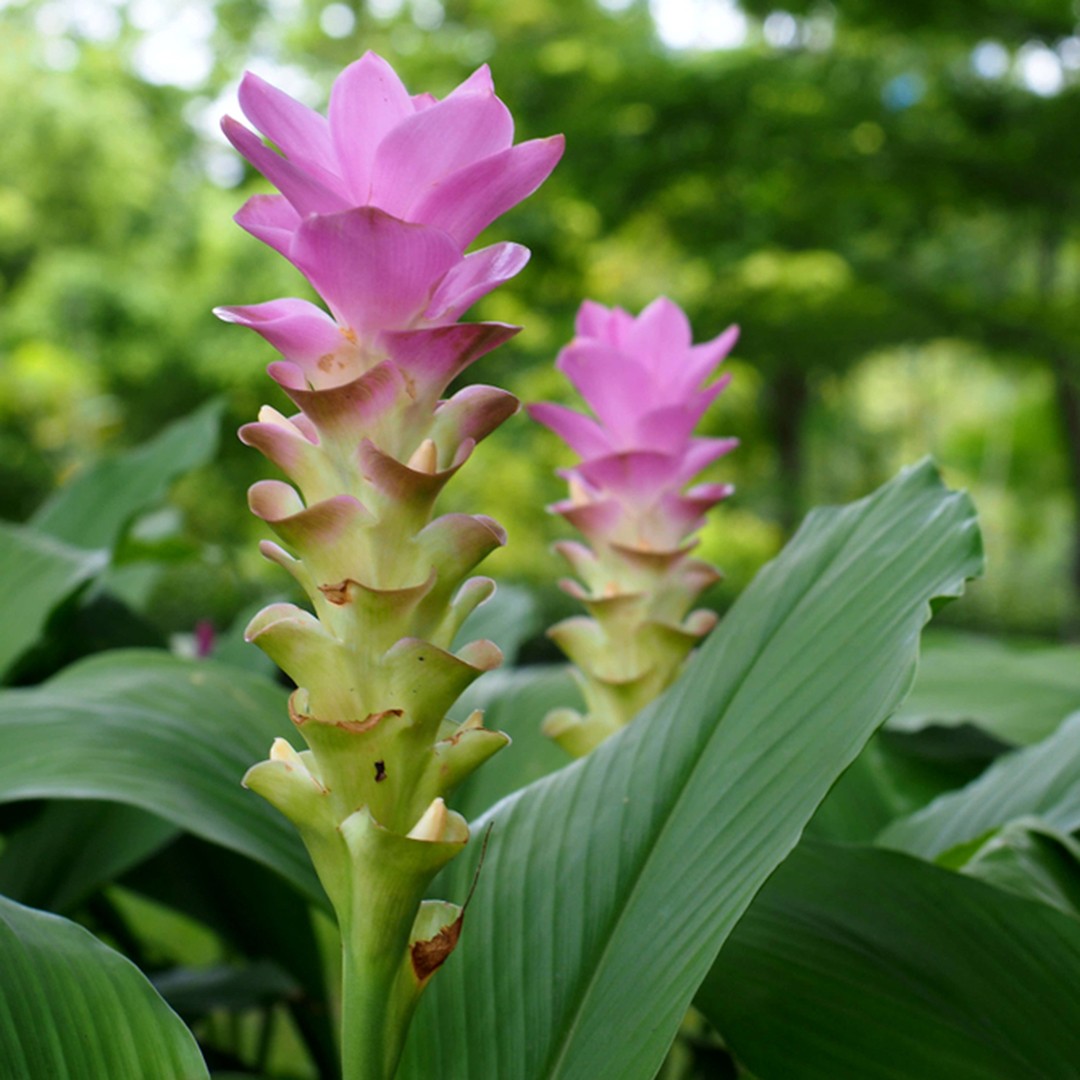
(377,205)
(646,385)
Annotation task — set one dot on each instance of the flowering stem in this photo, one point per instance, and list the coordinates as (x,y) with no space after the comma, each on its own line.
(373,1028)
(374,442)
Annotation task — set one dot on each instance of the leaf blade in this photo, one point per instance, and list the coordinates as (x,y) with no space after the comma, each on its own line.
(885,967)
(72,1007)
(93,510)
(630,862)
(1034,781)
(102,728)
(39,572)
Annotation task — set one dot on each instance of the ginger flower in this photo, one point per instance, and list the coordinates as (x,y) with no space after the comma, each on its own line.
(378,202)
(632,497)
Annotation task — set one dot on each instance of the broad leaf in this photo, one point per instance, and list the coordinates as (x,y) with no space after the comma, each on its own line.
(94,508)
(71,849)
(72,1007)
(857,962)
(1018,694)
(898,773)
(609,887)
(1040,781)
(36,574)
(515,701)
(173,737)
(1026,858)
(261,917)
(195,992)
(509,619)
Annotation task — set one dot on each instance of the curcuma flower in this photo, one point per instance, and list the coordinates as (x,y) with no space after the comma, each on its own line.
(376,207)
(647,386)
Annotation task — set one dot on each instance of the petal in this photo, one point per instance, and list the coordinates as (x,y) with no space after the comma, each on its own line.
(670,426)
(593,320)
(660,336)
(581,433)
(684,513)
(454,544)
(306,194)
(594,519)
(402,484)
(301,332)
(472,414)
(302,134)
(429,146)
(431,358)
(468,201)
(345,413)
(706,357)
(637,476)
(271,219)
(701,453)
(287,448)
(616,387)
(367,102)
(475,276)
(376,272)
(479,80)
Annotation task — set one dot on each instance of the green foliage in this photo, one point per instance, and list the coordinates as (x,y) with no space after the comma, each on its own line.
(642,856)
(72,1007)
(1036,781)
(93,510)
(103,729)
(884,967)
(1017,693)
(38,573)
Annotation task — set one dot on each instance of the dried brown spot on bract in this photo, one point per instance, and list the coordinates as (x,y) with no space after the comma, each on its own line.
(369,721)
(338,593)
(428,956)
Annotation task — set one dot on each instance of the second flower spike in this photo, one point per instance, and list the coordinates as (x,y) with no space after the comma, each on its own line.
(647,386)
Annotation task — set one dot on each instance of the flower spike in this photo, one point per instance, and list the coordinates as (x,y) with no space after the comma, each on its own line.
(645,384)
(377,203)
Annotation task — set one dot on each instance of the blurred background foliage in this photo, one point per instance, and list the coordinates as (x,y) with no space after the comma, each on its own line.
(885,197)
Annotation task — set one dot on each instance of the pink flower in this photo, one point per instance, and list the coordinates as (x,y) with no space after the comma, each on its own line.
(378,203)
(451,163)
(645,382)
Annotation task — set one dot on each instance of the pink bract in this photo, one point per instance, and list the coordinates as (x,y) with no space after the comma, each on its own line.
(378,203)
(450,164)
(646,385)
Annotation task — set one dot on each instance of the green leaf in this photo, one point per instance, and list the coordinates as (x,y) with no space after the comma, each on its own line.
(173,737)
(608,887)
(896,774)
(195,992)
(515,701)
(71,1007)
(93,510)
(217,887)
(1017,694)
(71,849)
(857,962)
(1035,781)
(1026,858)
(36,574)
(509,619)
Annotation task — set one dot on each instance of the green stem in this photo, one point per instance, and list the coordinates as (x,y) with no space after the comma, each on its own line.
(371,1038)
(378,995)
